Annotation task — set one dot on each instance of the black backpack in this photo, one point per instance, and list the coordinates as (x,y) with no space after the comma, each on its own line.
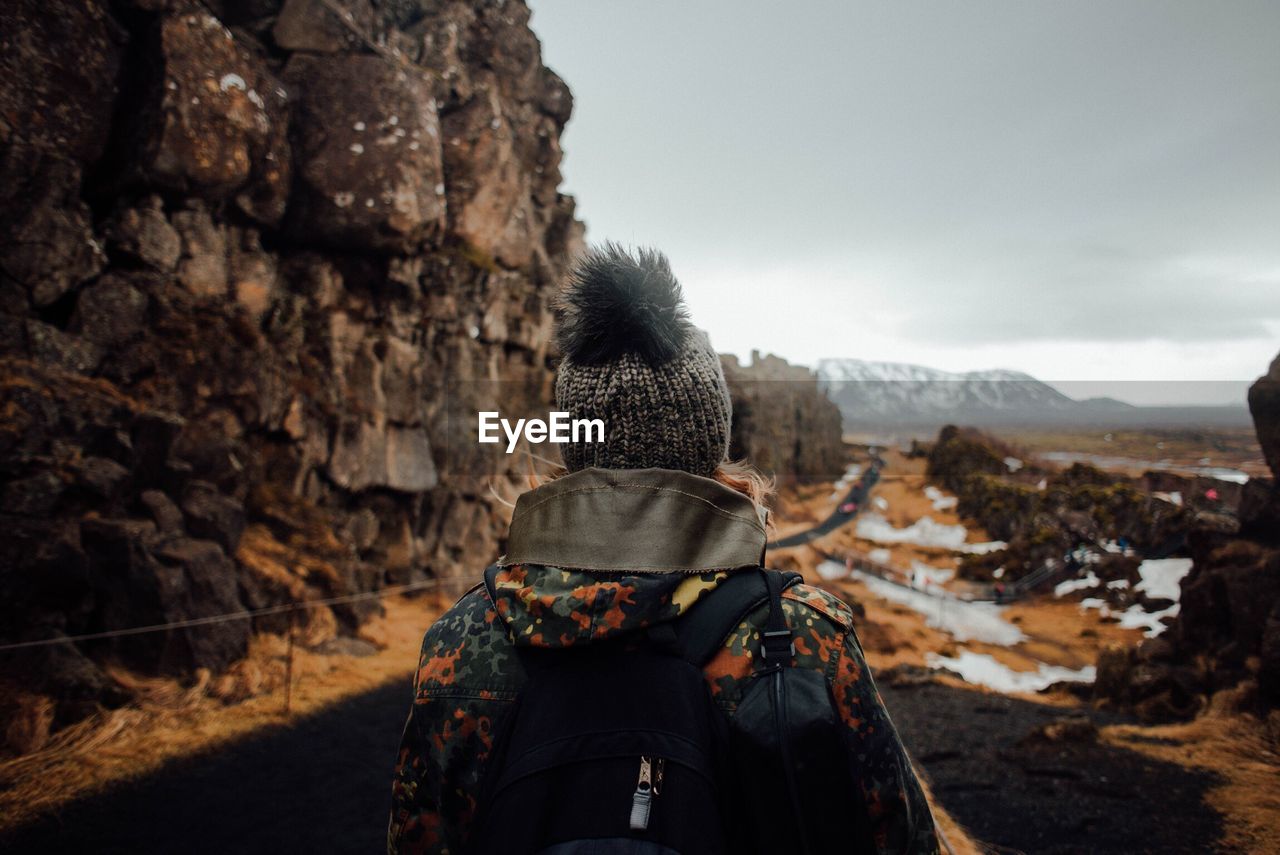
(617,747)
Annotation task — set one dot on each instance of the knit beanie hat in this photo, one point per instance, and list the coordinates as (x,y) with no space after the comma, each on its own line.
(633,360)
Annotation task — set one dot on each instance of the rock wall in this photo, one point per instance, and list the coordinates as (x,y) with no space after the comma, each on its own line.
(1227,634)
(1042,512)
(783,423)
(245,246)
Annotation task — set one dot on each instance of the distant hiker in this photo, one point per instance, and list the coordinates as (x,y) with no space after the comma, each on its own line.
(627,679)
(999,592)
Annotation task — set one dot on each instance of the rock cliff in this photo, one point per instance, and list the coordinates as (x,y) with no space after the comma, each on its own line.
(245,246)
(783,423)
(1042,512)
(1227,635)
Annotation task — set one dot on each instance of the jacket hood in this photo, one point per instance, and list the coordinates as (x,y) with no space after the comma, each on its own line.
(603,552)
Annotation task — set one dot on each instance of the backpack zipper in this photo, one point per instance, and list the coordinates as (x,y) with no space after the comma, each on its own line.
(648,785)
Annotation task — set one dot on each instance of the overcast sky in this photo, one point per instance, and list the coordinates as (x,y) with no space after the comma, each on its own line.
(1086,191)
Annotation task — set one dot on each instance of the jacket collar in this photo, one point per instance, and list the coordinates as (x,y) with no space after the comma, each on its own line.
(635,520)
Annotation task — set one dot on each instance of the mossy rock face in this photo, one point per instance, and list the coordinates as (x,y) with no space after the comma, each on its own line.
(1003,509)
(960,453)
(1081,504)
(1082,473)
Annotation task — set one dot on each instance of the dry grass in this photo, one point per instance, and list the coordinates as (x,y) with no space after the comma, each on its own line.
(1236,448)
(172,720)
(1238,749)
(953,834)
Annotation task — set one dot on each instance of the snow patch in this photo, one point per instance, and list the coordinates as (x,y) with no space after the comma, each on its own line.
(830,571)
(1135,617)
(923,532)
(984,670)
(1162,577)
(964,620)
(922,575)
(941,501)
(1072,585)
(232,81)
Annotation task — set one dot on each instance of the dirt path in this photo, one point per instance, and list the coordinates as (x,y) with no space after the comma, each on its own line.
(857,494)
(1047,797)
(321,785)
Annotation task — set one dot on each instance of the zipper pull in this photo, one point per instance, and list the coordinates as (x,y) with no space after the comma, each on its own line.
(642,799)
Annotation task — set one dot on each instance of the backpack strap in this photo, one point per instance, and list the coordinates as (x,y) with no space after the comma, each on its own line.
(702,631)
(776,645)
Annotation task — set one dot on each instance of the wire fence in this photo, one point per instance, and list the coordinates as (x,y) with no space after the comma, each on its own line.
(291,609)
(248,614)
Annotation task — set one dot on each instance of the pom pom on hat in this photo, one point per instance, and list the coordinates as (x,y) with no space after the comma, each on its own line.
(619,301)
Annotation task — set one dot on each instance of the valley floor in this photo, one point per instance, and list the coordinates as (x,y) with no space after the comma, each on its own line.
(1018,772)
(1098,782)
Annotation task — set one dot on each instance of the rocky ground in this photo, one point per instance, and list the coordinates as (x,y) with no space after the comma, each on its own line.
(1013,787)
(319,785)
(1025,771)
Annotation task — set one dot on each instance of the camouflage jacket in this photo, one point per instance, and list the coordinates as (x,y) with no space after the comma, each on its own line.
(594,555)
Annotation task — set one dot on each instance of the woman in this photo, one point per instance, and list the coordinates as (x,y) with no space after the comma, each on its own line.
(640,533)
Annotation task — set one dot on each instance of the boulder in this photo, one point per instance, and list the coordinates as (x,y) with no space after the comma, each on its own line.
(315,27)
(49,345)
(167,516)
(1269,659)
(369,169)
(143,579)
(1260,510)
(102,476)
(213,516)
(142,235)
(58,99)
(1264,405)
(371,456)
(401,380)
(110,312)
(196,579)
(47,243)
(490,204)
(203,265)
(35,495)
(62,672)
(220,125)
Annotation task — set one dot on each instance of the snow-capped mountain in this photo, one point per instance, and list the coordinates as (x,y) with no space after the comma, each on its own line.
(888,394)
(879,390)
(895,392)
